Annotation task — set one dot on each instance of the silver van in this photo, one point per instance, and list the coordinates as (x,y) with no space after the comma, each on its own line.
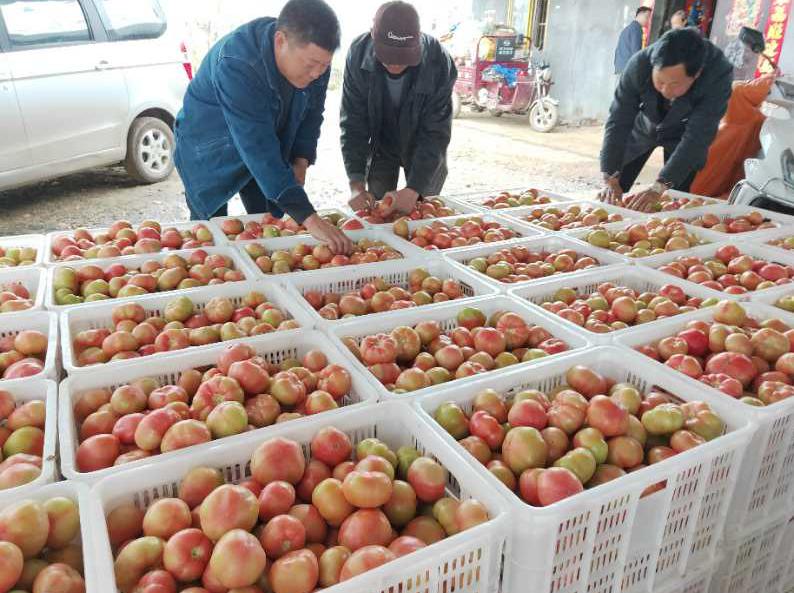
(88,83)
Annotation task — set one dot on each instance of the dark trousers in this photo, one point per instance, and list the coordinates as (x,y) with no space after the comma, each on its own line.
(630,171)
(253,199)
(384,175)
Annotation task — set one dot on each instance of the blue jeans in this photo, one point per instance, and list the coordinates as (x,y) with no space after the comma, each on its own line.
(253,199)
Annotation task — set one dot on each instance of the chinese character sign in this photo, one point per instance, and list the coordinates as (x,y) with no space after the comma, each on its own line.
(779,12)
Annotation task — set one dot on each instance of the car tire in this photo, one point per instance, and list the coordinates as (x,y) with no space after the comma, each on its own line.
(150,150)
(544,116)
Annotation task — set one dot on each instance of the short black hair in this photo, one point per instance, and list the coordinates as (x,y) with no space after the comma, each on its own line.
(642,9)
(310,21)
(680,46)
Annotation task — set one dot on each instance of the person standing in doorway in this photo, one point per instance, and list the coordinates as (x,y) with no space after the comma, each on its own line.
(396,111)
(252,115)
(630,40)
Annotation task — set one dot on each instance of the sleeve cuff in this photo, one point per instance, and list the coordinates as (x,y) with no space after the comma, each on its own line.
(304,152)
(674,178)
(295,202)
(356,178)
(418,186)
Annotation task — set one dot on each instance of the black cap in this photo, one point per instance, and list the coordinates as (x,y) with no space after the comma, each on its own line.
(396,35)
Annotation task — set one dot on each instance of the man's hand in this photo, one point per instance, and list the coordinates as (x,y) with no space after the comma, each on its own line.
(327,233)
(299,167)
(644,201)
(360,198)
(404,200)
(612,192)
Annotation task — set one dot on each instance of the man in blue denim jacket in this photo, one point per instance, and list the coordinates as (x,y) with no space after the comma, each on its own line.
(252,116)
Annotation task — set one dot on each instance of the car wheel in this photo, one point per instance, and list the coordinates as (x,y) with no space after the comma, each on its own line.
(150,150)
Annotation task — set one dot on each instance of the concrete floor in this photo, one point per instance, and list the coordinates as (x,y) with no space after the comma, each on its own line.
(486,153)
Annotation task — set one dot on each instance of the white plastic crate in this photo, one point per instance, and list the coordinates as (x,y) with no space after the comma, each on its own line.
(81,494)
(782,233)
(137,260)
(476,198)
(462,257)
(215,223)
(466,563)
(730,210)
(218,238)
(749,559)
(766,482)
(640,279)
(523,231)
(785,560)
(394,272)
(694,581)
(674,193)
(771,296)
(99,315)
(460,208)
(781,575)
(408,250)
(32,278)
(609,538)
(520,214)
(166,370)
(35,241)
(746,248)
(446,314)
(45,322)
(47,391)
(705,235)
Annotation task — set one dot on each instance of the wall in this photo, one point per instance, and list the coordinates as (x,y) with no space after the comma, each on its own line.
(495,10)
(580,46)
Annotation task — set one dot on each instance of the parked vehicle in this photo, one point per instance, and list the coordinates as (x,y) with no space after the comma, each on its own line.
(507,84)
(769,181)
(88,83)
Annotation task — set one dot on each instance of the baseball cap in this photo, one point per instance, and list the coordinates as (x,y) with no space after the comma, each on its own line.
(396,35)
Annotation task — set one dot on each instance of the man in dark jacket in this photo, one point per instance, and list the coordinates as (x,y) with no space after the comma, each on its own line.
(672,94)
(251,118)
(630,40)
(396,110)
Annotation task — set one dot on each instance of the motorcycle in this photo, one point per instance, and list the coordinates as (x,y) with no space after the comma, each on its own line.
(507,85)
(769,177)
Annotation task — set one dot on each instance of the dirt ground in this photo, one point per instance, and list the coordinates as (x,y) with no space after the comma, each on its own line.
(486,154)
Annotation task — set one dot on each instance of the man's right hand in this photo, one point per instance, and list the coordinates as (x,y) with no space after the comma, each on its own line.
(361,200)
(612,193)
(327,233)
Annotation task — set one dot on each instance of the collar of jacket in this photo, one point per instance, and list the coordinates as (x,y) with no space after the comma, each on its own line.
(424,83)
(269,57)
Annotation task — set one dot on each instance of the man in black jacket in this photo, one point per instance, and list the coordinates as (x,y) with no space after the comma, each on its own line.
(396,111)
(672,94)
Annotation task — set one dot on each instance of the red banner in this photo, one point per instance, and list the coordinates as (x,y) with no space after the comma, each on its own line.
(646,31)
(779,12)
